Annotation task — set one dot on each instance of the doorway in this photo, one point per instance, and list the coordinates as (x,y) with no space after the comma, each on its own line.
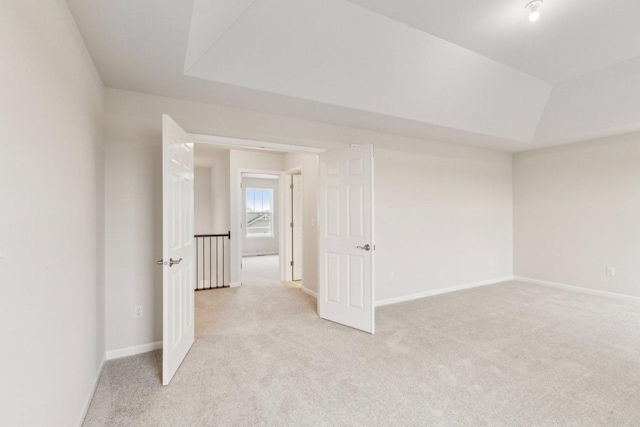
(261,211)
(294,225)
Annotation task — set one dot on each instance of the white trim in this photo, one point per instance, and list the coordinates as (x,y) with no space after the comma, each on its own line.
(235,284)
(273,208)
(286,247)
(309,291)
(87,402)
(259,236)
(131,351)
(579,289)
(260,176)
(260,254)
(260,145)
(442,291)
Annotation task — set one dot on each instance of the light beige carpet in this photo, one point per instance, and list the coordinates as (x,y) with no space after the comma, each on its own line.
(260,268)
(508,354)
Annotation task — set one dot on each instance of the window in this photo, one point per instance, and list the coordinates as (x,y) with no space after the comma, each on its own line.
(259,212)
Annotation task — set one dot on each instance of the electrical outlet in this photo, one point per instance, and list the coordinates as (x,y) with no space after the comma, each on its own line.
(611,271)
(137,311)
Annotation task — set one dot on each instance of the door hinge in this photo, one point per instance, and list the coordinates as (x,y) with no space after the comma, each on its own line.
(240,265)
(291,224)
(291,186)
(291,263)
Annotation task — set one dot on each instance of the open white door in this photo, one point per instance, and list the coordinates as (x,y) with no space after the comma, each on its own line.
(345,222)
(296,213)
(177,247)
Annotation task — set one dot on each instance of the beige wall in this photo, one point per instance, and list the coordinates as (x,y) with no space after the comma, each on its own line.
(577,211)
(443,211)
(220,183)
(202,204)
(441,220)
(51,229)
(211,202)
(216,159)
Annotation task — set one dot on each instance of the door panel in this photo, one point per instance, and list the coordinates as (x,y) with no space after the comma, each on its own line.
(177,237)
(356,211)
(356,281)
(345,208)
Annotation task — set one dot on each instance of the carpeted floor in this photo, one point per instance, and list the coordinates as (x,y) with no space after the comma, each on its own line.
(260,268)
(508,354)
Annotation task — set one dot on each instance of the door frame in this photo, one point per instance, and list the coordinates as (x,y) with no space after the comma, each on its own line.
(286,273)
(240,230)
(235,274)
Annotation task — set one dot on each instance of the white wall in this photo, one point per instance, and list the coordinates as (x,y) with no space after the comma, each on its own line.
(220,196)
(202,203)
(262,245)
(133,221)
(216,159)
(461,228)
(309,164)
(51,230)
(577,211)
(441,220)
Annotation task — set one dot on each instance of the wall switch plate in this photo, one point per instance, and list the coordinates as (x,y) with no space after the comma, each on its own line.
(137,311)
(611,271)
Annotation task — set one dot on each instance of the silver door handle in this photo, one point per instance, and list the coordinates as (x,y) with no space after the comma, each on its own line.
(161,262)
(174,261)
(365,247)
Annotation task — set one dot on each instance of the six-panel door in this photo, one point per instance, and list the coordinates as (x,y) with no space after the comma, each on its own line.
(345,207)
(178,250)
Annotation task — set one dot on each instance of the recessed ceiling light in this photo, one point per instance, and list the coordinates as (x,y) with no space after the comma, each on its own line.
(533,7)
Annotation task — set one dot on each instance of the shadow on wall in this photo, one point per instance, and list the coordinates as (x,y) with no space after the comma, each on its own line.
(157,243)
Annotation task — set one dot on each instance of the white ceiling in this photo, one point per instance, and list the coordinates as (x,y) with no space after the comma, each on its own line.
(463,71)
(571,38)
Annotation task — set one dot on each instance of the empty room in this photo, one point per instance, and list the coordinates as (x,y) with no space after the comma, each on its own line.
(320,213)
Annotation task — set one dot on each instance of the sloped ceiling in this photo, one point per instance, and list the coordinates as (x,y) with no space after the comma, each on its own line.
(469,72)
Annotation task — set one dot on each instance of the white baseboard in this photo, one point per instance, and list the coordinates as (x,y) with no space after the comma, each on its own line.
(131,351)
(260,253)
(87,402)
(441,291)
(577,289)
(234,284)
(310,292)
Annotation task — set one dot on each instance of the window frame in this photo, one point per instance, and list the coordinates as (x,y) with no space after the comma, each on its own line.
(271,233)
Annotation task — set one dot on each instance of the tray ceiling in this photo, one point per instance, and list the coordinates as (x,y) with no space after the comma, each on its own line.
(468,72)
